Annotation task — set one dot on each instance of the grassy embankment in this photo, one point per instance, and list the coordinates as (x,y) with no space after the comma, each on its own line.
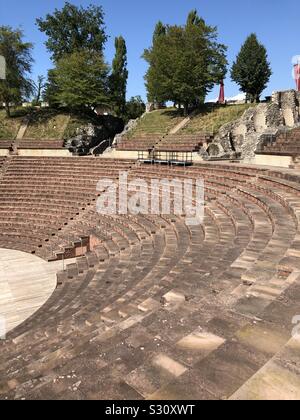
(158,122)
(44,124)
(210,118)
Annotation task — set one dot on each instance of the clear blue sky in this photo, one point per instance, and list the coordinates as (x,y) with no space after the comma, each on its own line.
(276,23)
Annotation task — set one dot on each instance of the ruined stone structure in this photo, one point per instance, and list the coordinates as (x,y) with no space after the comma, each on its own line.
(243,135)
(90,136)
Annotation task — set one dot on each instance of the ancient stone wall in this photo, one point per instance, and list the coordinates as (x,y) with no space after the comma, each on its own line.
(288,102)
(243,135)
(88,137)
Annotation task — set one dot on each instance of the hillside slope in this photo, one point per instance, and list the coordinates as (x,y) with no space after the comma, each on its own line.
(47,124)
(9,127)
(211,118)
(157,122)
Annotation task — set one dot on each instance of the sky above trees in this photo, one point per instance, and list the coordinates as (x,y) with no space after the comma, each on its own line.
(275,25)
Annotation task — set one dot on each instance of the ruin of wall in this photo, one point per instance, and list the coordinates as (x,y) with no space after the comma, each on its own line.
(243,136)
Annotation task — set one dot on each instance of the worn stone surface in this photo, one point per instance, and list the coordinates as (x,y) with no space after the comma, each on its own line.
(156,308)
(244,135)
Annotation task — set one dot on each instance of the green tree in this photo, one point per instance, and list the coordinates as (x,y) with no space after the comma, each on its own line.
(51,89)
(135,108)
(80,81)
(252,70)
(155,56)
(184,62)
(74,29)
(119,76)
(17,53)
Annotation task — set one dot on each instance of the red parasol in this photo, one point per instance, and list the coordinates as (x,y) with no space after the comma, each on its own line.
(222,94)
(297,75)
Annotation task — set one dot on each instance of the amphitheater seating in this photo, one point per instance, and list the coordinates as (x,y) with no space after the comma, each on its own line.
(285,144)
(139,143)
(2,166)
(157,308)
(6,144)
(26,143)
(183,143)
(169,143)
(2,160)
(39,196)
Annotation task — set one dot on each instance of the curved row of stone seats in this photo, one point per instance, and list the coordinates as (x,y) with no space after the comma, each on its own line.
(143,253)
(168,143)
(283,222)
(27,143)
(158,308)
(6,144)
(139,142)
(41,196)
(2,160)
(184,143)
(286,143)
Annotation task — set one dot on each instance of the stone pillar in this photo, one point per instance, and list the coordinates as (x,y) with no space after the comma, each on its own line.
(288,102)
(276,98)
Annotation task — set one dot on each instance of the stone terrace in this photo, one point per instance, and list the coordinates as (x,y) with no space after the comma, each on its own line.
(40,144)
(157,309)
(184,143)
(287,143)
(139,143)
(167,143)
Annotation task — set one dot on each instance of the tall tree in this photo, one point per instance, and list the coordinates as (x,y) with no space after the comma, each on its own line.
(17,53)
(119,76)
(74,29)
(252,70)
(51,89)
(184,62)
(155,77)
(39,86)
(80,81)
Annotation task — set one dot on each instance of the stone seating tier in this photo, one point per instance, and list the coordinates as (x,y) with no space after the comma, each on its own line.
(156,308)
(6,144)
(286,144)
(27,143)
(168,143)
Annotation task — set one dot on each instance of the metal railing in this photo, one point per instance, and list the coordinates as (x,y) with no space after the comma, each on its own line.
(101,146)
(168,158)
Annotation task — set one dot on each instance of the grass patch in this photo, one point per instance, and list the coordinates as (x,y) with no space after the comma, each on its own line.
(53,124)
(210,118)
(47,124)
(158,122)
(9,127)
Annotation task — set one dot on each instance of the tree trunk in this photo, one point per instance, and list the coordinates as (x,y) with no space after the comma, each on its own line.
(186,109)
(7,109)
